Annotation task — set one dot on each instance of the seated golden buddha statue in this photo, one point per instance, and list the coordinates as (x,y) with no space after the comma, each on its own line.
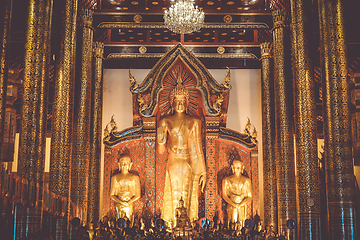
(125,190)
(236,191)
(180,135)
(182,218)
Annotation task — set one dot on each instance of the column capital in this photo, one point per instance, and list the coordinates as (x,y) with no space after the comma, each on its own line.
(265,49)
(280,18)
(86,17)
(98,50)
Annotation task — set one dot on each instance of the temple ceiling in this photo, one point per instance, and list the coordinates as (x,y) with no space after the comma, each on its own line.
(231,36)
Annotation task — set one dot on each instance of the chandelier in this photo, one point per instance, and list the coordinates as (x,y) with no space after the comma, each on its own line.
(183,18)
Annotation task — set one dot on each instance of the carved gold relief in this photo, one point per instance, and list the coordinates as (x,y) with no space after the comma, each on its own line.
(110,128)
(226,82)
(161,25)
(199,55)
(265,49)
(280,18)
(227,18)
(141,102)
(86,17)
(98,51)
(142,49)
(133,84)
(137,18)
(220,50)
(218,103)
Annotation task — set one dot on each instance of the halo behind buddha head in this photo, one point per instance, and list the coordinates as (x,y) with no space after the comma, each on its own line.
(179,90)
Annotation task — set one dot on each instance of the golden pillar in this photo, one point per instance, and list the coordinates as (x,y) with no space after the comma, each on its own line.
(307,166)
(35,89)
(82,111)
(268,129)
(5,20)
(8,144)
(60,156)
(95,135)
(340,180)
(284,150)
(34,109)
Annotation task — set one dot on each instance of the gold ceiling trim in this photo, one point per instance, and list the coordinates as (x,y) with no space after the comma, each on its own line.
(236,25)
(185,45)
(162,13)
(198,55)
(133,55)
(226,55)
(241,14)
(254,25)
(130,25)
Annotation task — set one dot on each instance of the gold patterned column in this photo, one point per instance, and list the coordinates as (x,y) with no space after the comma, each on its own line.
(284,150)
(5,20)
(268,138)
(60,156)
(8,144)
(339,173)
(35,89)
(34,109)
(95,135)
(307,166)
(82,111)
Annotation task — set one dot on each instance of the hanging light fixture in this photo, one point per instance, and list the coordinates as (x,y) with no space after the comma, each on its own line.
(183,17)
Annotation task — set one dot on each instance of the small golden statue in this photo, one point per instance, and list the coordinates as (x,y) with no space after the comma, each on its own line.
(125,190)
(180,135)
(269,232)
(182,218)
(236,191)
(91,230)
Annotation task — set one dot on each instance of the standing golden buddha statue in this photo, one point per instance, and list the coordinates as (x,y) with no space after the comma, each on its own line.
(236,191)
(180,135)
(125,190)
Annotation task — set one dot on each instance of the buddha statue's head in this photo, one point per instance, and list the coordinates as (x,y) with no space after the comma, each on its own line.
(179,97)
(181,203)
(125,164)
(237,167)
